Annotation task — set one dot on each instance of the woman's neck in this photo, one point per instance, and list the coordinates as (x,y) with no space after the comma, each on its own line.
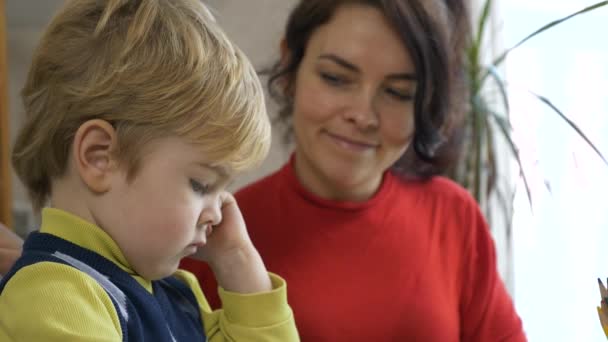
(314,180)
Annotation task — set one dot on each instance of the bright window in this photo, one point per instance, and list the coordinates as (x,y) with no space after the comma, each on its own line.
(558,248)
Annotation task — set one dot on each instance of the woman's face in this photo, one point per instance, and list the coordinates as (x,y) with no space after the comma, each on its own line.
(353,104)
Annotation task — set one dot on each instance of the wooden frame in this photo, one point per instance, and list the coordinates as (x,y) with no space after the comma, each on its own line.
(5,173)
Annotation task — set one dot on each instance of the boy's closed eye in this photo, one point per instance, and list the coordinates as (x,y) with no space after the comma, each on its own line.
(200,188)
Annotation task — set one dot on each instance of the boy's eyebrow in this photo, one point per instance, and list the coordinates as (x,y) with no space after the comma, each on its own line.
(348,65)
(215,168)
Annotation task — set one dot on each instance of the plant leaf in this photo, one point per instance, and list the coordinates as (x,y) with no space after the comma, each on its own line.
(502,88)
(502,200)
(506,131)
(572,124)
(483,20)
(503,56)
(491,159)
(479,115)
(502,121)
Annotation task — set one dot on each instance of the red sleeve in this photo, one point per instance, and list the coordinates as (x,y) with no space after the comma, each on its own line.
(205,278)
(487,311)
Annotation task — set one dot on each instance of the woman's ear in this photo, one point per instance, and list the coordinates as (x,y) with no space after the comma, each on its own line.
(94,142)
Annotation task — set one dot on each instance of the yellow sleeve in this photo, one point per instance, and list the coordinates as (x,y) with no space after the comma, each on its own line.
(53,302)
(254,317)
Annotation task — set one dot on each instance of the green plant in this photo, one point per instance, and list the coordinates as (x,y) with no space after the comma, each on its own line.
(486,121)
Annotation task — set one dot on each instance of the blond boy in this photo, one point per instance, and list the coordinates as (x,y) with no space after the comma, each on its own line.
(138,113)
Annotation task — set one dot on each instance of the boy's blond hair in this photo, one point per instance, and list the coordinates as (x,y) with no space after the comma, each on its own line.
(152,69)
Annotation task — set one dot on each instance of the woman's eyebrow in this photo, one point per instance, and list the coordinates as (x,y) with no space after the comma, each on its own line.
(406,76)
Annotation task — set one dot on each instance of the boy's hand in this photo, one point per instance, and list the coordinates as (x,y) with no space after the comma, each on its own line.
(10,248)
(229,252)
(229,235)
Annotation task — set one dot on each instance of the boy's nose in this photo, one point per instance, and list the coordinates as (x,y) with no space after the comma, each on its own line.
(211,215)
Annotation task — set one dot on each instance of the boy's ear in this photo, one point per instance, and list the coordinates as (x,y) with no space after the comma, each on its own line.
(94,142)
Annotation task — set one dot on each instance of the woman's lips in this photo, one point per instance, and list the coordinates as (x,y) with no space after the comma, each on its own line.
(350,144)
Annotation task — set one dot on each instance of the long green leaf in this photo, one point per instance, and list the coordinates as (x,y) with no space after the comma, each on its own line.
(477,152)
(502,88)
(491,159)
(502,121)
(479,115)
(483,20)
(505,129)
(572,124)
(502,200)
(503,56)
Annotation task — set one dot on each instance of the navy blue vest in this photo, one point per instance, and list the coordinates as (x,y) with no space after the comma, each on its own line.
(170,314)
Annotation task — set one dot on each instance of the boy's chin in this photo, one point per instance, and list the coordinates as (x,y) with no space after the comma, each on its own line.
(160,273)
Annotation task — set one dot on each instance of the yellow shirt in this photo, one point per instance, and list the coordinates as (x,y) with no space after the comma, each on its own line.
(52,302)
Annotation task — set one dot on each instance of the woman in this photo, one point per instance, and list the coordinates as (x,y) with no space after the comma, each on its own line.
(356,221)
(373,245)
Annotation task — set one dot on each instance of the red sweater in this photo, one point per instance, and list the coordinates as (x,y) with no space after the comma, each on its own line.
(414,263)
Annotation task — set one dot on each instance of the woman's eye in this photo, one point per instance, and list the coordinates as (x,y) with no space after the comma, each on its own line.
(399,95)
(332,79)
(199,188)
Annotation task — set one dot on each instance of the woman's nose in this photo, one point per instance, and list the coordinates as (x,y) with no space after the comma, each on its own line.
(362,111)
